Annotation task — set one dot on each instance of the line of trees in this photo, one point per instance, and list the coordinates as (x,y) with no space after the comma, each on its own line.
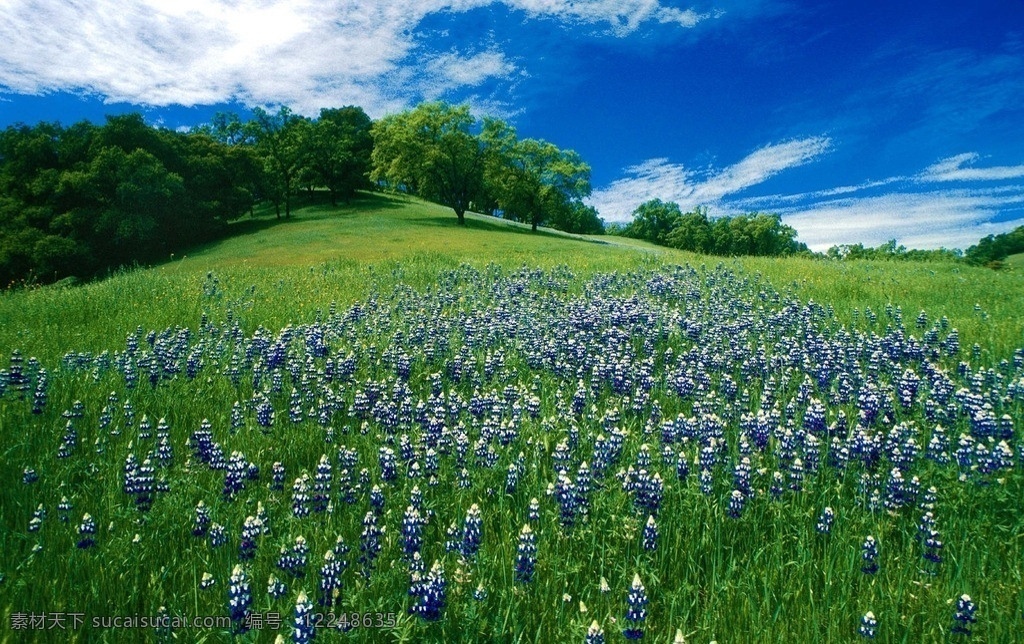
(994,249)
(664,223)
(442,153)
(892,250)
(79,200)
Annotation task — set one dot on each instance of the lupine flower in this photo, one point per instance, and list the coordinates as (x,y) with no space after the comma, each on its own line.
(234,477)
(964,616)
(322,485)
(369,542)
(565,495)
(650,535)
(533,514)
(293,560)
(201,520)
(868,625)
(239,599)
(275,588)
(207,581)
(480,594)
(377,500)
(300,496)
(736,503)
(218,535)
(636,611)
(471,532)
(64,509)
(526,555)
(595,634)
(330,579)
(869,553)
(86,531)
(388,465)
(932,546)
(825,520)
(252,528)
(277,477)
(304,626)
(430,594)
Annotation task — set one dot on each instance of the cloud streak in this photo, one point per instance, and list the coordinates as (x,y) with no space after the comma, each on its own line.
(303,53)
(952,169)
(658,178)
(920,211)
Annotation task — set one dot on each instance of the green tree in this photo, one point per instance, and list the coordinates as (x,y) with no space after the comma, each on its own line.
(692,232)
(430,151)
(278,144)
(653,220)
(337,150)
(533,180)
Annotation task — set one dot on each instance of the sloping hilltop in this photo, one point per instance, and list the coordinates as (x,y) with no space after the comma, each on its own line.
(371,419)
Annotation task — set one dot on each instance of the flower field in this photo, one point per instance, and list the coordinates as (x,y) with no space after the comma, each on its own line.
(520,454)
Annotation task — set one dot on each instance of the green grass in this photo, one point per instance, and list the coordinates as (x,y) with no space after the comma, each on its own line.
(767,576)
(272,267)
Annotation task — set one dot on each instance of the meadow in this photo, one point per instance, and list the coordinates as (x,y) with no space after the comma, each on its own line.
(370,419)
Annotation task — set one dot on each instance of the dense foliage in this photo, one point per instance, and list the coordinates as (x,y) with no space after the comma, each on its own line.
(892,250)
(79,200)
(664,223)
(76,200)
(992,250)
(436,151)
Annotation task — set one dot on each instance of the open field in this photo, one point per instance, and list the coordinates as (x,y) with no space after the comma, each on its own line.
(482,434)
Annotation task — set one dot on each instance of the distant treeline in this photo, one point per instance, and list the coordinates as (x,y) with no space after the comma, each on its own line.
(992,250)
(80,200)
(664,223)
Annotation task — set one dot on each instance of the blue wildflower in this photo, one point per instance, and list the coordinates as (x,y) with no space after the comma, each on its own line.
(239,599)
(650,535)
(526,555)
(86,531)
(869,554)
(636,611)
(964,616)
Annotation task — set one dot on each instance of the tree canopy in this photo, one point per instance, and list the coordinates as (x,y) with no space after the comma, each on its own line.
(533,181)
(430,151)
(664,223)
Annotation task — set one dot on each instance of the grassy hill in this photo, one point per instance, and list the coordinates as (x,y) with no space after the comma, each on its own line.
(274,272)
(565,430)
(1016,261)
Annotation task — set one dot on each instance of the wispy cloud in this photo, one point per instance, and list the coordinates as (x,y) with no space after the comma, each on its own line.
(952,169)
(911,209)
(931,219)
(658,178)
(304,53)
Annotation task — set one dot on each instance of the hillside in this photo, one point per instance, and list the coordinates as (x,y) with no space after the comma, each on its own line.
(274,272)
(569,434)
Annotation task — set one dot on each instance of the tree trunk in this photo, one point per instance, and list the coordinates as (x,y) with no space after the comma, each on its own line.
(461,214)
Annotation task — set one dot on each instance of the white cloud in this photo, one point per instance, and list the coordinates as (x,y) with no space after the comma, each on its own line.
(304,53)
(949,218)
(952,169)
(660,179)
(869,213)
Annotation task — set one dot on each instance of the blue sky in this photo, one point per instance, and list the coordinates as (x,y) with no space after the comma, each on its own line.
(857,122)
